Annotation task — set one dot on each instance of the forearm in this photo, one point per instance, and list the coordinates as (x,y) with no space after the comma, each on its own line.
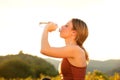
(44,42)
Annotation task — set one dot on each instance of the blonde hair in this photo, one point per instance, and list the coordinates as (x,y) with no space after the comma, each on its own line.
(82,33)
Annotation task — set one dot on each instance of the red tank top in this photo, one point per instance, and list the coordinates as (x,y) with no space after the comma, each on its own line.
(71,72)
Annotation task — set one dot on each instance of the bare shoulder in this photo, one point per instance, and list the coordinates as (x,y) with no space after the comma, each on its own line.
(79,59)
(77,49)
(73,48)
(78,52)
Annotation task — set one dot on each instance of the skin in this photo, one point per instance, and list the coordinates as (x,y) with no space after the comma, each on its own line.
(71,51)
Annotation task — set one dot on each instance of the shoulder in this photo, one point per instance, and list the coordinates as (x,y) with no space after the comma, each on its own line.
(74,48)
(77,48)
(78,51)
(79,59)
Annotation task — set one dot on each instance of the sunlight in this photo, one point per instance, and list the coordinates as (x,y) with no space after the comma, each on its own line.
(20,29)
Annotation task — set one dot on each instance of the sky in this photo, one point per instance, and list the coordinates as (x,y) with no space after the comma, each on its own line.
(20,29)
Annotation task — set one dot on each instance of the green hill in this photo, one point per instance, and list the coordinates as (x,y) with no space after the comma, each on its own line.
(24,65)
(54,62)
(104,66)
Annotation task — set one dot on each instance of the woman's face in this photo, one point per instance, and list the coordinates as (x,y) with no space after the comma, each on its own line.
(66,30)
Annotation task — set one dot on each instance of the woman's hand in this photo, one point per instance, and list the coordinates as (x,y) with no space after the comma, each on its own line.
(51,27)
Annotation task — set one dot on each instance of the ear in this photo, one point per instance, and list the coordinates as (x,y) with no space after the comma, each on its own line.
(74,32)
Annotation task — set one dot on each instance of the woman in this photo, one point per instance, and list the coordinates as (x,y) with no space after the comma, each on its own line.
(75,57)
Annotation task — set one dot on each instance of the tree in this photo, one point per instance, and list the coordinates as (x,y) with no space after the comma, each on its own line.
(96,75)
(24,65)
(15,68)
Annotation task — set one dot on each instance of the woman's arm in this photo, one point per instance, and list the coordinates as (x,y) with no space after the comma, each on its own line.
(46,49)
(44,42)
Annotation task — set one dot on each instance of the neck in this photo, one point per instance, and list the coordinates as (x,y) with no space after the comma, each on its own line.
(70,42)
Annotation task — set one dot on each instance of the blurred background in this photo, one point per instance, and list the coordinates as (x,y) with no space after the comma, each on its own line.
(20,34)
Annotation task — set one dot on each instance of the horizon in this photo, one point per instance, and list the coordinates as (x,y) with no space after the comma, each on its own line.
(20,29)
(59,59)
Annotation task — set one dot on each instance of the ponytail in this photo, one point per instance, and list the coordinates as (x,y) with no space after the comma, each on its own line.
(86,54)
